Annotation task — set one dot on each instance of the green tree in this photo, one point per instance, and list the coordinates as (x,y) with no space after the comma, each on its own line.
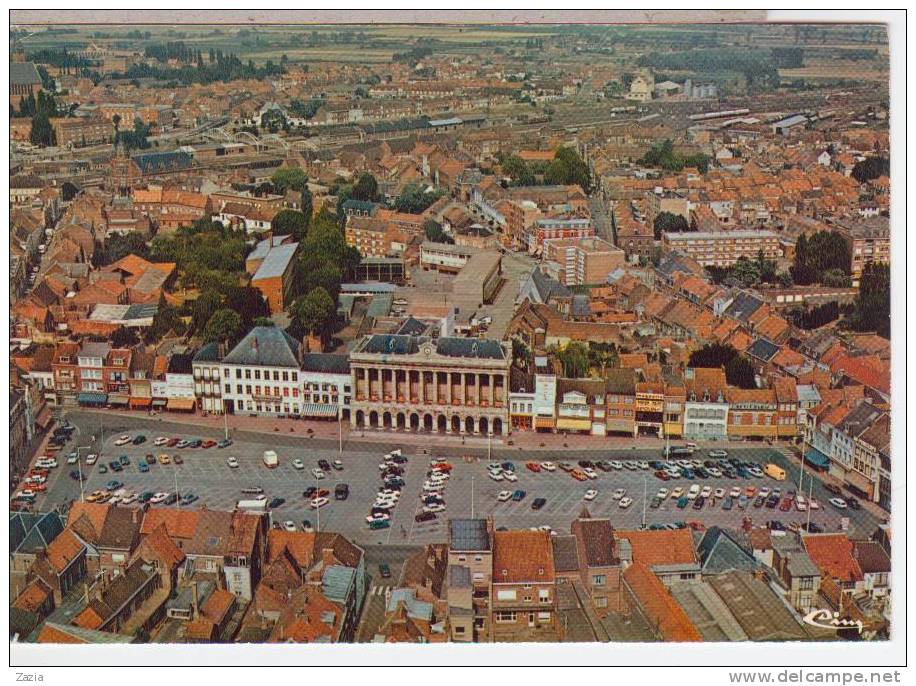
(308,208)
(669,222)
(517,170)
(414,198)
(434,232)
(225,326)
(166,320)
(289,178)
(746,271)
(248,303)
(315,312)
(41,132)
(872,310)
(289,222)
(366,188)
(871,168)
(206,305)
(740,372)
(118,246)
(574,358)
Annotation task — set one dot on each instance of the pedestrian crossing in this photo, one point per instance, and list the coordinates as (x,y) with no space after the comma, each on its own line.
(380,591)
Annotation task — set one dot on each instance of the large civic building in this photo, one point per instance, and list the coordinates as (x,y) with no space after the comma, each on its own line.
(450,385)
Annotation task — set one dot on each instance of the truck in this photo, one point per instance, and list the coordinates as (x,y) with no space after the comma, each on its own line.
(774,471)
(270,459)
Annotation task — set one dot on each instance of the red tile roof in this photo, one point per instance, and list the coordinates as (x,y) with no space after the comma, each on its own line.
(658,605)
(832,553)
(522,556)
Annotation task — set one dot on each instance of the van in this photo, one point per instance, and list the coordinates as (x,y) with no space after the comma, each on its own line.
(270,459)
(775,472)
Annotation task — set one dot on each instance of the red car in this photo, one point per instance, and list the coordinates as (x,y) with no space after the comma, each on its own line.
(208,444)
(442,467)
(662,474)
(172,442)
(533,466)
(38,488)
(785,505)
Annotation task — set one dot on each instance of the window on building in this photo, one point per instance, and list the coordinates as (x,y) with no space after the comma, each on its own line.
(507,595)
(601,601)
(599,580)
(505,617)
(257,374)
(544,595)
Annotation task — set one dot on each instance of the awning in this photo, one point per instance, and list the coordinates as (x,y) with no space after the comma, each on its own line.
(817,459)
(118,399)
(544,422)
(860,483)
(318,410)
(182,404)
(159,402)
(574,424)
(141,402)
(92,398)
(45,417)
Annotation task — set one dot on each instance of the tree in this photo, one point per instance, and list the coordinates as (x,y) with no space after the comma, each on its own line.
(871,168)
(435,233)
(414,198)
(41,132)
(123,337)
(205,307)
(166,320)
(289,223)
(225,326)
(568,168)
(248,303)
(740,372)
(118,246)
(669,222)
(836,278)
(746,271)
(366,188)
(574,358)
(289,178)
(872,310)
(315,312)
(308,208)
(817,254)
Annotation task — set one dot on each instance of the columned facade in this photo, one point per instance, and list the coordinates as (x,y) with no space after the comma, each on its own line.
(448,385)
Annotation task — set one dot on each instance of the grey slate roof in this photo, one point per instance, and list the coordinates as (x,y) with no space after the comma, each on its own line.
(391,344)
(29,531)
(208,353)
(276,262)
(23,74)
(266,346)
(762,350)
(328,363)
(336,582)
(412,327)
(470,347)
(547,287)
(719,552)
(153,162)
(743,306)
(468,534)
(581,306)
(416,608)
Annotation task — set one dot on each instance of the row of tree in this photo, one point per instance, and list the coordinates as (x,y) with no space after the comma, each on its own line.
(566,168)
(662,156)
(738,369)
(821,258)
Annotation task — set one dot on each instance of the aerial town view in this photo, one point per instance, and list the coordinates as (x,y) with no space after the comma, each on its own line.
(449,333)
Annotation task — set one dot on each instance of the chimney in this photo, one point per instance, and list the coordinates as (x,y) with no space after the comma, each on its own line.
(41,553)
(194,609)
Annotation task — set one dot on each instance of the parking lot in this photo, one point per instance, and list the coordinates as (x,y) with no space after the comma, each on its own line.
(470,492)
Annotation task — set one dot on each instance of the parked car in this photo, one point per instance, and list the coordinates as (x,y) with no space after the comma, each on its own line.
(533,466)
(833,489)
(341,491)
(590,494)
(503,496)
(232,462)
(538,503)
(624,503)
(140,439)
(165,459)
(208,444)
(143,466)
(337,465)
(838,503)
(297,463)
(425,517)
(318,474)
(380,524)
(548,466)
(276,502)
(122,440)
(225,443)
(727,503)
(177,459)
(518,495)
(718,453)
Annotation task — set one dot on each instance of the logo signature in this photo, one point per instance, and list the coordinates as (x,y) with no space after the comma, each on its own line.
(826,619)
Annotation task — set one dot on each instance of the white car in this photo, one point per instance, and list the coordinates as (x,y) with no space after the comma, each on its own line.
(662,493)
(625,503)
(123,440)
(91,458)
(158,497)
(801,503)
(813,504)
(378,517)
(619,493)
(73,458)
(233,462)
(590,473)
(432,485)
(693,491)
(735,492)
(338,465)
(548,466)
(677,492)
(161,440)
(838,503)
(503,496)
(706,492)
(387,465)
(289,526)
(642,464)
(765,491)
(719,493)
(510,476)
(590,494)
(718,453)
(686,464)
(298,464)
(317,473)
(714,471)
(546,528)
(389,493)
(616,465)
(496,476)
(315,503)
(434,507)
(755,471)
(50,463)
(673,472)
(129,498)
